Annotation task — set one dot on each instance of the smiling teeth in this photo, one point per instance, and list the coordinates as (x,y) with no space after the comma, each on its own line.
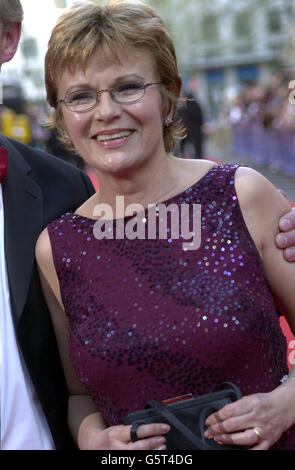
(118,135)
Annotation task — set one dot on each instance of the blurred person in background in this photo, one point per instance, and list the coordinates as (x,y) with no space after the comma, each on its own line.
(191,114)
(35,188)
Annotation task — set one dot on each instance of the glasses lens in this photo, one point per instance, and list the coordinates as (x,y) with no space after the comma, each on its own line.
(82,100)
(128,92)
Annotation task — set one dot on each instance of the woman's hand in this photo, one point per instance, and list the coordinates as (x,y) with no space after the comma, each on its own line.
(257,421)
(150,437)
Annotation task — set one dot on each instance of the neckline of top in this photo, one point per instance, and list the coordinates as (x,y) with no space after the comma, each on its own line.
(190,188)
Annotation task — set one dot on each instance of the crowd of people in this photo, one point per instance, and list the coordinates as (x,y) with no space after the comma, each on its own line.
(261,122)
(98,327)
(271,106)
(26,122)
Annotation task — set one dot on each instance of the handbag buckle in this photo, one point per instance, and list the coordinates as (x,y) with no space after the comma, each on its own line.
(170,401)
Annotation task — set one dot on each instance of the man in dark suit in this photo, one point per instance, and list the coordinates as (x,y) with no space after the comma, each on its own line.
(35,188)
(191,115)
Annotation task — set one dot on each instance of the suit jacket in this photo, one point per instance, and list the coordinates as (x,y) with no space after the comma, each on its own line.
(38,188)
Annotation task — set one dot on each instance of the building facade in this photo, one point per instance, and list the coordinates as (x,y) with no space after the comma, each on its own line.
(221,43)
(226,44)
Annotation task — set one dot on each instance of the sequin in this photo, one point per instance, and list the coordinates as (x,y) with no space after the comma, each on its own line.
(158,321)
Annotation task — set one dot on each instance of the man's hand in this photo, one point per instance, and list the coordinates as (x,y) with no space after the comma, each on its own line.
(286,238)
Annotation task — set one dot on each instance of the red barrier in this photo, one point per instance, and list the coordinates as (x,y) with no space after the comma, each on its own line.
(290,341)
(91,173)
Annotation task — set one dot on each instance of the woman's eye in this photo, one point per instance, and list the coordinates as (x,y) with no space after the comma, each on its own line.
(80,97)
(129,88)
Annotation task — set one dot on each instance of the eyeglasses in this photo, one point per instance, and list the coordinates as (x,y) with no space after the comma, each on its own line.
(81,101)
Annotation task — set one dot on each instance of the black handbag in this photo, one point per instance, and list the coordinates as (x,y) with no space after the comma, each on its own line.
(187,418)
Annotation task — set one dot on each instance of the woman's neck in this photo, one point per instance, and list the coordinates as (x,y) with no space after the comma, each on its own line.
(148,186)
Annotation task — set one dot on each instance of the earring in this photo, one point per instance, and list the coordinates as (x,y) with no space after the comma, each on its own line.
(168,121)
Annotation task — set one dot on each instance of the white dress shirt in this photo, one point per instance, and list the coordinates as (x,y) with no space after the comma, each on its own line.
(23,425)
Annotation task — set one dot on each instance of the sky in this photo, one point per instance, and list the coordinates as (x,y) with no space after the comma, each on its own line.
(39,19)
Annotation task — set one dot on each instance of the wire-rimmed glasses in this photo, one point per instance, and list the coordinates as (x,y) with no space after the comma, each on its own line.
(81,101)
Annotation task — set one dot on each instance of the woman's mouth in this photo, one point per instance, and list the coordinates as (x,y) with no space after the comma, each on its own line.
(111,140)
(113,136)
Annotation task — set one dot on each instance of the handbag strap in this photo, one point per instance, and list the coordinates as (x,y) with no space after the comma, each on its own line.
(235,391)
(233,388)
(176,423)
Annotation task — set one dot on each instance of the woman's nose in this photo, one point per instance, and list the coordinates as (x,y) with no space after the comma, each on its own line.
(107,109)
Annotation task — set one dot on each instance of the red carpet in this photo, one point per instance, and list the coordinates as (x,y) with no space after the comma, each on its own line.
(91,173)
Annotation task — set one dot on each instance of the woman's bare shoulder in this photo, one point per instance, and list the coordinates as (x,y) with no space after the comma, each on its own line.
(253,188)
(43,248)
(191,170)
(262,206)
(45,262)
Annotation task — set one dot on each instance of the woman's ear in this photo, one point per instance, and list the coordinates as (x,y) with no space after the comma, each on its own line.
(167,108)
(170,98)
(9,41)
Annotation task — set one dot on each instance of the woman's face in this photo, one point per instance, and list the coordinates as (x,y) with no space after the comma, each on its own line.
(112,137)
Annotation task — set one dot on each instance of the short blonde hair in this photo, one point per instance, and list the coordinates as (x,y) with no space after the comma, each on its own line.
(88,27)
(11,11)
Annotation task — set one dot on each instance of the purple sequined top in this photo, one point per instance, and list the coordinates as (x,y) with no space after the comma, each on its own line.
(150,320)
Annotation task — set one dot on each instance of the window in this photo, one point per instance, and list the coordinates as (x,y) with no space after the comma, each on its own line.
(29,47)
(247,73)
(60,3)
(243,25)
(209,28)
(274,22)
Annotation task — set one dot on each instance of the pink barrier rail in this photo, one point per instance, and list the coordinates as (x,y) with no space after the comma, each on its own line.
(265,147)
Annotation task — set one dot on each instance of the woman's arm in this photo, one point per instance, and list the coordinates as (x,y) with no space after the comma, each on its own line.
(262,207)
(270,413)
(85,422)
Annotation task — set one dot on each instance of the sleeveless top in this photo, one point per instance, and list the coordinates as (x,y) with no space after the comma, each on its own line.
(149,319)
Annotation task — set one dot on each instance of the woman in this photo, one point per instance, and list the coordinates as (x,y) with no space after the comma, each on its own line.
(140,317)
